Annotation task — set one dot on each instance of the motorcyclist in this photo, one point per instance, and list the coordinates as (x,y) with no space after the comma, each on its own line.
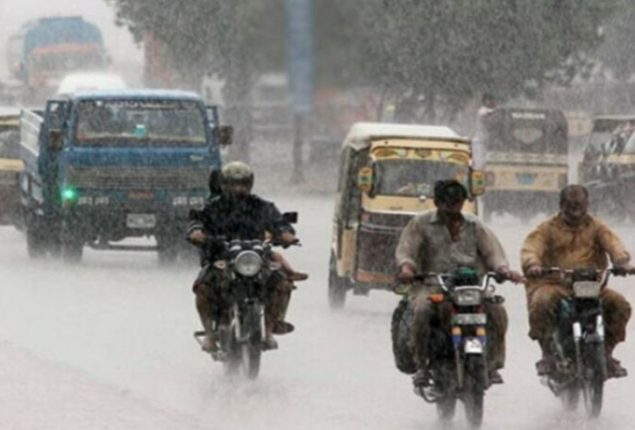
(572,239)
(444,240)
(238,214)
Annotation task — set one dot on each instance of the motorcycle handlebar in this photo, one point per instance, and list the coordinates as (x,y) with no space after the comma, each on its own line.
(210,241)
(546,271)
(498,277)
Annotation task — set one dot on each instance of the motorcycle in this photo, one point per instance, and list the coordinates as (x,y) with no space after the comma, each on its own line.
(458,362)
(240,324)
(578,341)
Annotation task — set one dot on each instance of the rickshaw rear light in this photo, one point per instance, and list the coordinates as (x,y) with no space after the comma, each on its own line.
(563,180)
(480,331)
(490,178)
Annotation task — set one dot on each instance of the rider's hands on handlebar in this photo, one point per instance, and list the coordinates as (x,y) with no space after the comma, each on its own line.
(624,269)
(512,275)
(534,271)
(288,238)
(406,274)
(197,236)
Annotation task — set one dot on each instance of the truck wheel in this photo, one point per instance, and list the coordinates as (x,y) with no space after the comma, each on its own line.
(337,287)
(167,248)
(72,251)
(34,243)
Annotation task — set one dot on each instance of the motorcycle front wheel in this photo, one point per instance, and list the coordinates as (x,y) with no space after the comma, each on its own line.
(446,407)
(474,390)
(570,397)
(593,384)
(251,343)
(229,346)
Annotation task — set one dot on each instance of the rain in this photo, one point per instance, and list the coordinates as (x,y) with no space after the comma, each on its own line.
(116,112)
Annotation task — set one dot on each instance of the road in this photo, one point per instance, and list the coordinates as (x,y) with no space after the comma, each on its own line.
(121,327)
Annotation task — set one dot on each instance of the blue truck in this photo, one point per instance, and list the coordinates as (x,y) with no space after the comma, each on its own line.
(103,166)
(43,51)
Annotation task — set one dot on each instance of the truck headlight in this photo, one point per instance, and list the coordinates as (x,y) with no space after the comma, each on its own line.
(248,263)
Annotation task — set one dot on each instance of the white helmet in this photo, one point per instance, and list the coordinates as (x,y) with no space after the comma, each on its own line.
(237,173)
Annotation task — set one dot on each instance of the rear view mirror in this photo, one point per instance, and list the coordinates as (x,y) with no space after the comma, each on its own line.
(365,179)
(290,217)
(225,135)
(477,182)
(56,140)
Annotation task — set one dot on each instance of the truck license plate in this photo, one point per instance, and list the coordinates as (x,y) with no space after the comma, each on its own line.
(141,221)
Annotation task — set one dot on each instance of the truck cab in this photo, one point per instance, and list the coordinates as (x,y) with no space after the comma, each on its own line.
(108,165)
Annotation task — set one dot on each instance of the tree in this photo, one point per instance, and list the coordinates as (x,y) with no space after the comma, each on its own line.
(444,53)
(618,52)
(233,40)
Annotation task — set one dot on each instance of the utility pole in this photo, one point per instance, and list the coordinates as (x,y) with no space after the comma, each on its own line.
(301,71)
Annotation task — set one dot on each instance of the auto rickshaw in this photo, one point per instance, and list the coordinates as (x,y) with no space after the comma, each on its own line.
(607,168)
(386,176)
(526,161)
(608,136)
(10,168)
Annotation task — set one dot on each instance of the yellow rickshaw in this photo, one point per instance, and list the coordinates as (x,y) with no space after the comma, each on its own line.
(387,174)
(10,168)
(526,162)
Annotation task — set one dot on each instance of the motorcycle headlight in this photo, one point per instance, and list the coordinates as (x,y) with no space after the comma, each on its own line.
(248,263)
(467,297)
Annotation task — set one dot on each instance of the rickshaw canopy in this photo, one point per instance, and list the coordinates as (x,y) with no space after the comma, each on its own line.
(362,134)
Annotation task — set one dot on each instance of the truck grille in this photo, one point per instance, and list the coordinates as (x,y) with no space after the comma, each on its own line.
(145,178)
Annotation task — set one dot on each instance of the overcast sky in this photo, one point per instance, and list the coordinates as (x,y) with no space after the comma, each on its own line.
(13,13)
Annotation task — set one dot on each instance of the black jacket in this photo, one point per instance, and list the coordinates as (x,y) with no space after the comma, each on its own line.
(248,218)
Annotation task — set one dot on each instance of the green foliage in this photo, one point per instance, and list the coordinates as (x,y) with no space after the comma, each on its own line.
(431,55)
(232,39)
(618,51)
(448,52)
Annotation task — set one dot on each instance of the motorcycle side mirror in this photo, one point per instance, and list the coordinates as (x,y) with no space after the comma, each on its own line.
(290,217)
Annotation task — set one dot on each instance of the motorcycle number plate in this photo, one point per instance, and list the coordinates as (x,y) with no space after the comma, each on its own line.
(587,289)
(473,346)
(469,319)
(143,221)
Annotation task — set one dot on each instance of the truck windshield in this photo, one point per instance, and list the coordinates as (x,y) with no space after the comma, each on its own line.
(9,141)
(526,132)
(138,122)
(414,178)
